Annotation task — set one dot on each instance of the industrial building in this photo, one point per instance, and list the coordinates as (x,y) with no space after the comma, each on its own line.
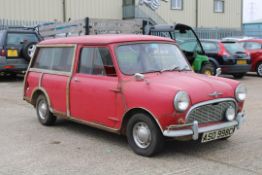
(197,13)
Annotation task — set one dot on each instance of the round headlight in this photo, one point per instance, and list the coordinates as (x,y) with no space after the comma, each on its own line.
(181,101)
(241,93)
(230,113)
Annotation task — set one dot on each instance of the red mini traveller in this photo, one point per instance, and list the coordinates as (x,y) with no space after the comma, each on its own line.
(135,85)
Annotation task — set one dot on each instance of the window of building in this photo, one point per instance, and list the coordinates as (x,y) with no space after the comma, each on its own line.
(57,59)
(219,6)
(176,4)
(96,61)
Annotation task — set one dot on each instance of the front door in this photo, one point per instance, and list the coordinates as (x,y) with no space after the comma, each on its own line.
(94,94)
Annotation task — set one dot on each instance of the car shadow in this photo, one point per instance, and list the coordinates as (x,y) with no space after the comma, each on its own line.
(85,130)
(6,78)
(171,148)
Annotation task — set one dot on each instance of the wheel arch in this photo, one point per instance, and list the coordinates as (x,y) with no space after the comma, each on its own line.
(214,62)
(128,115)
(36,93)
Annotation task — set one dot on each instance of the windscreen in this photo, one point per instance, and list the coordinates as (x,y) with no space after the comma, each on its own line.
(150,57)
(20,38)
(234,48)
(187,40)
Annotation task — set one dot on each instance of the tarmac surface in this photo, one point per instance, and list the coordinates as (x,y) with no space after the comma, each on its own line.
(28,148)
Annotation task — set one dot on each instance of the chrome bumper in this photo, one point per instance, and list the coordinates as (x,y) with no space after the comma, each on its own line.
(195,130)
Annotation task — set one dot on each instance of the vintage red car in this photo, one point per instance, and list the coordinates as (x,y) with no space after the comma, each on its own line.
(254,47)
(135,85)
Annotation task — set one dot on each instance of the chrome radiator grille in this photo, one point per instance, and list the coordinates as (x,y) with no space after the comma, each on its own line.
(210,112)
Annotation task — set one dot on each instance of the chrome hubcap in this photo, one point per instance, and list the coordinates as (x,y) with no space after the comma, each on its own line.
(259,70)
(42,109)
(142,135)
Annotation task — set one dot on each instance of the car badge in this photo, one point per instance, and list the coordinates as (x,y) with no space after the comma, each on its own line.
(215,94)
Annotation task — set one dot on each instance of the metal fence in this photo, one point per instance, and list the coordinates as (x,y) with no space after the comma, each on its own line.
(5,23)
(203,33)
(217,33)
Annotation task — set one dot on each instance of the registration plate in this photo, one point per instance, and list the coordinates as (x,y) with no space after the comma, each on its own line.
(217,134)
(241,61)
(12,53)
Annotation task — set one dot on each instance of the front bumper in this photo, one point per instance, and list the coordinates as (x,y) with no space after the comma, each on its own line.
(195,130)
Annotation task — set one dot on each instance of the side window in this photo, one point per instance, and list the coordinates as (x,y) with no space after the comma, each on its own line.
(57,59)
(252,46)
(96,61)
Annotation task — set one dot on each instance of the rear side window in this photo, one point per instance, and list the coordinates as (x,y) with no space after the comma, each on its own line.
(233,48)
(252,46)
(57,59)
(96,61)
(20,38)
(209,47)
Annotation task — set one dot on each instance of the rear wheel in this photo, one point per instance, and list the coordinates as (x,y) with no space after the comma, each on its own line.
(208,69)
(259,69)
(144,136)
(44,115)
(239,75)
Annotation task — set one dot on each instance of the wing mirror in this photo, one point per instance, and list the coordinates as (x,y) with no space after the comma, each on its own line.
(139,77)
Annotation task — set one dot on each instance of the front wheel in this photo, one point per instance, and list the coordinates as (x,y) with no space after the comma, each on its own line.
(208,69)
(144,136)
(259,69)
(239,75)
(44,115)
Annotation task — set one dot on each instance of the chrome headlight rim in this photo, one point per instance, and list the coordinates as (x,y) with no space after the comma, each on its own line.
(181,97)
(241,92)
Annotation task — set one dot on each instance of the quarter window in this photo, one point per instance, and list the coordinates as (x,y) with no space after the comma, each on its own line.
(176,4)
(57,59)
(96,61)
(219,6)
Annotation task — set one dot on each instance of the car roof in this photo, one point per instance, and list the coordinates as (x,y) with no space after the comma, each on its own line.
(252,40)
(104,39)
(211,40)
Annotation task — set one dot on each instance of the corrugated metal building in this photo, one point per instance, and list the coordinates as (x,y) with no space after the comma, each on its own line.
(197,13)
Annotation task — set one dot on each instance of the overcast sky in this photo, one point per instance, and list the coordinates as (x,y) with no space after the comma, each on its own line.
(252,10)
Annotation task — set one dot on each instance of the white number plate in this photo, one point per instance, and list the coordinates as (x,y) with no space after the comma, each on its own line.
(217,134)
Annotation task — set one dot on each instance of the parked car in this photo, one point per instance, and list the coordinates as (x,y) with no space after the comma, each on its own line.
(16,48)
(254,47)
(136,85)
(188,41)
(230,56)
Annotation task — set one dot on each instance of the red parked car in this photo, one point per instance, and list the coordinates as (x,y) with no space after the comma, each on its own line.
(254,47)
(138,86)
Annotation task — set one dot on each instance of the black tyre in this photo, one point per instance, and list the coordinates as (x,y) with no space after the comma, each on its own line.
(44,115)
(259,69)
(208,69)
(239,75)
(144,136)
(27,50)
